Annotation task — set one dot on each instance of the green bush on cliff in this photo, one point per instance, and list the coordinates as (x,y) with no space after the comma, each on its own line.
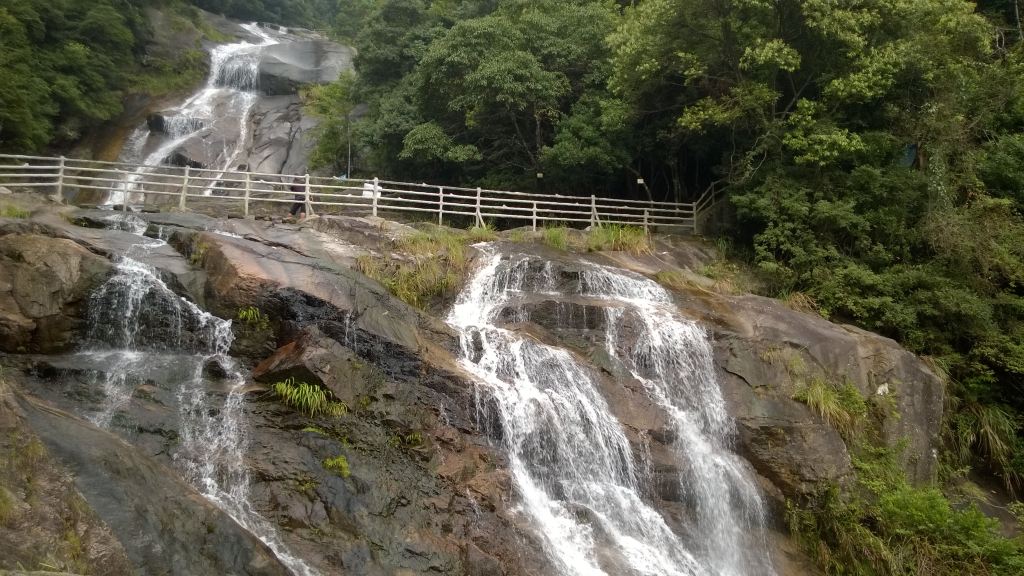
(310,399)
(887,527)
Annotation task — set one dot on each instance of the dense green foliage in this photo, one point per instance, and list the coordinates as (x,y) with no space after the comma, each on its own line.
(66,65)
(62,66)
(886,526)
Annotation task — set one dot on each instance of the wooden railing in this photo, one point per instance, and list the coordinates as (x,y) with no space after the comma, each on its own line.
(123,184)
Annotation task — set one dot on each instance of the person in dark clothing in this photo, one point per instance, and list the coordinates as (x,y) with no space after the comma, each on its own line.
(299,207)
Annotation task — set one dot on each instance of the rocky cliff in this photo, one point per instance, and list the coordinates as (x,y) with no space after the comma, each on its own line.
(424,489)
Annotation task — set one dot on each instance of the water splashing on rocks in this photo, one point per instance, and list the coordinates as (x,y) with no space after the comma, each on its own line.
(569,456)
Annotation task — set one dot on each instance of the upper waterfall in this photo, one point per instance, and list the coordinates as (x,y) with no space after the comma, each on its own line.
(216,117)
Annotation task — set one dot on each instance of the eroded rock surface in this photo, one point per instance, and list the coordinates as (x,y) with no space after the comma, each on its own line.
(422,489)
(44,284)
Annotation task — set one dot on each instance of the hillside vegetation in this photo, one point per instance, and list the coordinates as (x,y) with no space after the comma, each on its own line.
(66,65)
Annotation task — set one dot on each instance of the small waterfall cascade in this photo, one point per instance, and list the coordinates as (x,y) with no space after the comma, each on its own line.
(229,95)
(140,327)
(571,462)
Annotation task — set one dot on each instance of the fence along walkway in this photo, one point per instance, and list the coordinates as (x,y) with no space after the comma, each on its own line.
(129,183)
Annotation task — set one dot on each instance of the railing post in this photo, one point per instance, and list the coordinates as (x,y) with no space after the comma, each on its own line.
(594,221)
(248,188)
(376,192)
(479,217)
(124,195)
(60,182)
(184,190)
(440,205)
(309,203)
(534,216)
(645,222)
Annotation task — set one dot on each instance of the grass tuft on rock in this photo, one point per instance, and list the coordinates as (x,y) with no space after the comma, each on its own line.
(483,233)
(619,238)
(310,399)
(557,237)
(434,266)
(840,407)
(10,211)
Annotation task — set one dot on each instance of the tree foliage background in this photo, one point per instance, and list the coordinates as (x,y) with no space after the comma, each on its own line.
(66,65)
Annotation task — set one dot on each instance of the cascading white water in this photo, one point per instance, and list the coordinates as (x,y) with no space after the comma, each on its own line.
(569,456)
(140,326)
(229,93)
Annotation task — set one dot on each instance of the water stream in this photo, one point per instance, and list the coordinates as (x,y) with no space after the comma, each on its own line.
(229,95)
(141,328)
(575,470)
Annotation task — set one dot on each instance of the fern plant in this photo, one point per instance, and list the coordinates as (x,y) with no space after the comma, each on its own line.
(252,316)
(309,399)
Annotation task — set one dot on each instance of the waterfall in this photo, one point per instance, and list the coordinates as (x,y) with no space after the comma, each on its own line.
(140,327)
(569,457)
(229,93)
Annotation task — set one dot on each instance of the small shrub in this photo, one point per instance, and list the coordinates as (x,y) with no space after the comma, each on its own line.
(989,430)
(557,237)
(619,238)
(800,302)
(309,399)
(338,465)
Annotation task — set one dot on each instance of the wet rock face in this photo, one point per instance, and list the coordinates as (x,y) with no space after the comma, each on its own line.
(44,285)
(281,136)
(284,67)
(423,493)
(423,490)
(43,517)
(764,352)
(163,524)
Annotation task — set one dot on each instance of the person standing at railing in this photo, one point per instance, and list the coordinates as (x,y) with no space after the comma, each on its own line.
(298,209)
